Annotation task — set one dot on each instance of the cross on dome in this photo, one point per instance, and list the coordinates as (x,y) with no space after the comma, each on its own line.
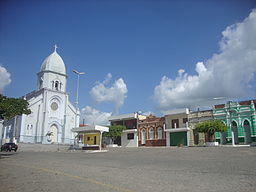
(55,48)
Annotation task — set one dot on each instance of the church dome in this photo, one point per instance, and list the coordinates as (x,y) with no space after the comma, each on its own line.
(54,63)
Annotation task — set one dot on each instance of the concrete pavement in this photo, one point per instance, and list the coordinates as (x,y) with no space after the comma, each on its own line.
(131,169)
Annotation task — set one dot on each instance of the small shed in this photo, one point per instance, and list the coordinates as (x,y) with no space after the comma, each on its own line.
(91,135)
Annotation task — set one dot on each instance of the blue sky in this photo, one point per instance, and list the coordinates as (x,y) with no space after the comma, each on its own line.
(139,42)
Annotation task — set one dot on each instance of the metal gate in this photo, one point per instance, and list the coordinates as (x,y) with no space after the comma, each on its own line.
(178,138)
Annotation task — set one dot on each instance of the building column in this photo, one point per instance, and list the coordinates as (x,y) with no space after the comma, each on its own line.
(167,139)
(100,140)
(59,132)
(253,127)
(188,138)
(137,138)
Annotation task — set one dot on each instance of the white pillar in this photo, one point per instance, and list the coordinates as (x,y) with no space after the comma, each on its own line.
(188,134)
(100,139)
(233,137)
(5,130)
(59,136)
(188,138)
(232,132)
(137,138)
(22,127)
(168,139)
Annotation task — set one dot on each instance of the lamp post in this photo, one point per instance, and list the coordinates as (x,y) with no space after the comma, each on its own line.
(77,89)
(137,126)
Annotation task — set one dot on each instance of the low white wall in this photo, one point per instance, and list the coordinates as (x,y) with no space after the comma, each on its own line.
(209,144)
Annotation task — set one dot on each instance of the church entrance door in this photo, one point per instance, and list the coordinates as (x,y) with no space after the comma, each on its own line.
(54,135)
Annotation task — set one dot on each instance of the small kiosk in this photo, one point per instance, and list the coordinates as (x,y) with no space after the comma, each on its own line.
(91,136)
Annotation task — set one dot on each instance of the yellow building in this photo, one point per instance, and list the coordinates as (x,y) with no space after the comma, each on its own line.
(91,138)
(92,135)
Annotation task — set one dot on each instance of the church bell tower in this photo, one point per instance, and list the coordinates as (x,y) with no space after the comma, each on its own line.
(53,73)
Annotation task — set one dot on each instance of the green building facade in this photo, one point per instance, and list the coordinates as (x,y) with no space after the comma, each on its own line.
(240,118)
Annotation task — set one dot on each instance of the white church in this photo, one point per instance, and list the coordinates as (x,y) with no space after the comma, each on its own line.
(53,116)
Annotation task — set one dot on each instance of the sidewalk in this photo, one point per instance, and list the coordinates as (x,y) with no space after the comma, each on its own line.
(53,148)
(41,147)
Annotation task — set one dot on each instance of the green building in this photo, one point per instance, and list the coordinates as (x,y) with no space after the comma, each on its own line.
(240,117)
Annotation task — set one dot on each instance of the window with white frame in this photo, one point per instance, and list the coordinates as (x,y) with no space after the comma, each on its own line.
(159,133)
(151,133)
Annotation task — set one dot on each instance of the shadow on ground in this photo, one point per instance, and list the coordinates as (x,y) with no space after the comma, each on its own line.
(6,155)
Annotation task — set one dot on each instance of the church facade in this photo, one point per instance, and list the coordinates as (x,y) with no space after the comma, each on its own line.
(53,116)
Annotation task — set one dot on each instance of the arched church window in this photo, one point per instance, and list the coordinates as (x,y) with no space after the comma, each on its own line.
(27,130)
(31,130)
(40,84)
(56,85)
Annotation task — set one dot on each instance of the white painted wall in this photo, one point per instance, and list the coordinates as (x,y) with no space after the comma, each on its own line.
(168,139)
(129,143)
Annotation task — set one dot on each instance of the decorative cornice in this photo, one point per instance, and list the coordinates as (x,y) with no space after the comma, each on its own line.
(48,71)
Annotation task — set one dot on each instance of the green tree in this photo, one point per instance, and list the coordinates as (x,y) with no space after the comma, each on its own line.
(10,107)
(210,127)
(115,132)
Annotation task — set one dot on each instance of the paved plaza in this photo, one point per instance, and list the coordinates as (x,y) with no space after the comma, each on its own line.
(130,169)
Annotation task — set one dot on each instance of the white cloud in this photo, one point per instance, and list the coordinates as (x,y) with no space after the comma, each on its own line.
(5,78)
(116,93)
(101,92)
(229,73)
(107,79)
(91,116)
(147,113)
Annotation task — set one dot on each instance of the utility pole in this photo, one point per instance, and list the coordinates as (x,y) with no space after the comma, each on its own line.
(77,90)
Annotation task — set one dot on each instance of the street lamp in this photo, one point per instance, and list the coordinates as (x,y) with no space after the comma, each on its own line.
(77,89)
